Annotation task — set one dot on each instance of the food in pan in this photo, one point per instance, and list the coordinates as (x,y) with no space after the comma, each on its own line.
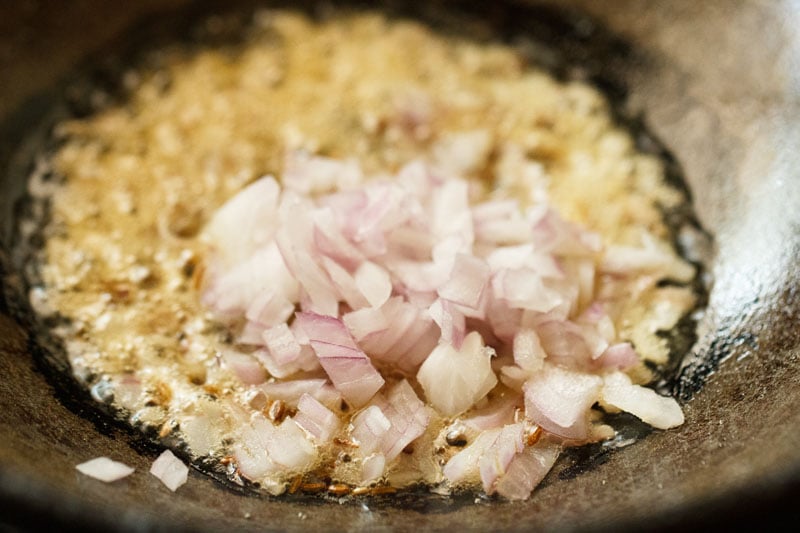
(356,255)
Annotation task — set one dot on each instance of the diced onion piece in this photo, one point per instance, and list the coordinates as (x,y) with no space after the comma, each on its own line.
(495,210)
(449,211)
(453,380)
(528,351)
(246,367)
(450,320)
(370,426)
(282,344)
(407,415)
(317,284)
(523,288)
(408,340)
(463,466)
(365,322)
(262,449)
(554,235)
(291,392)
(467,281)
(372,467)
(331,242)
(526,471)
(564,343)
(421,276)
(269,308)
(620,259)
(412,348)
(170,470)
(504,320)
(559,400)
(104,469)
(513,376)
(349,369)
(251,334)
(289,448)
(316,418)
(245,222)
(306,361)
(374,283)
(661,412)
(620,356)
(344,283)
(251,456)
(497,414)
(230,292)
(495,459)
(391,423)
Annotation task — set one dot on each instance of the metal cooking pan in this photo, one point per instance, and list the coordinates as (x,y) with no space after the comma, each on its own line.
(717,82)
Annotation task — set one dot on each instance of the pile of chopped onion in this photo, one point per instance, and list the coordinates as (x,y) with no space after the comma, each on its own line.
(411,301)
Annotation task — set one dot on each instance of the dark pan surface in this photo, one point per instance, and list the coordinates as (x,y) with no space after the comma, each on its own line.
(717,82)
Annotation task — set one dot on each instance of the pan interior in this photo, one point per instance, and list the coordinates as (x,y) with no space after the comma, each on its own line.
(597,56)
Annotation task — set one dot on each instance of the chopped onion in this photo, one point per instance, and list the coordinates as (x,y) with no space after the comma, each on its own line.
(365,322)
(391,423)
(290,448)
(410,338)
(559,400)
(463,466)
(528,351)
(374,283)
(269,308)
(564,343)
(290,392)
(453,380)
(451,322)
(372,467)
(282,344)
(467,281)
(408,417)
(245,222)
(661,412)
(370,427)
(170,470)
(407,277)
(347,366)
(263,448)
(498,456)
(245,366)
(104,469)
(497,414)
(230,293)
(526,471)
(316,418)
(305,361)
(619,356)
(523,288)
(332,243)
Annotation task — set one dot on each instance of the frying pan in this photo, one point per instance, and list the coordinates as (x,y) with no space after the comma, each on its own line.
(715,82)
